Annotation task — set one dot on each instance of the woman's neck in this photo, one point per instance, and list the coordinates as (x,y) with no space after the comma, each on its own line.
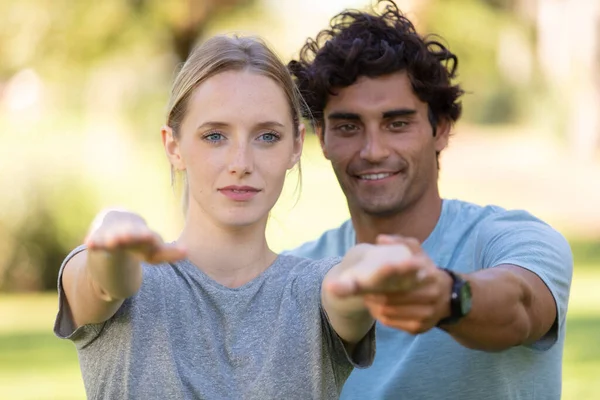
(232,256)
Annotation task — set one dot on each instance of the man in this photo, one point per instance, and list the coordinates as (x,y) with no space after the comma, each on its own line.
(484,317)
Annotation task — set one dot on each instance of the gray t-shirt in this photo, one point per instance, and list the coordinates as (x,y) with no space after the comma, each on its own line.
(184,336)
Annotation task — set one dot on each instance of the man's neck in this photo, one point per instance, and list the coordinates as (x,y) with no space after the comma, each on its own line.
(230,256)
(416,221)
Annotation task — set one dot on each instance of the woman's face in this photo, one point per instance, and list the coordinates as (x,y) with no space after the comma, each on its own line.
(236,144)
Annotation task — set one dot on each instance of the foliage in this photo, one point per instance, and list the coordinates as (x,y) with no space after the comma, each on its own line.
(61,36)
(95,72)
(41,230)
(473,30)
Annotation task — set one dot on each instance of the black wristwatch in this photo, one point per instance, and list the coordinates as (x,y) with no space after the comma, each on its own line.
(460,299)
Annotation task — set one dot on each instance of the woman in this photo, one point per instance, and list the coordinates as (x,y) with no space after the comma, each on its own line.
(227,318)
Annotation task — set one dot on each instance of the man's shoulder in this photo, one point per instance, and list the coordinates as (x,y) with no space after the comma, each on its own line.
(462,222)
(503,230)
(333,243)
(463,212)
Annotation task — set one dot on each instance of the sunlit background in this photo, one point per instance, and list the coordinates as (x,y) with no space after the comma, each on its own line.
(83,93)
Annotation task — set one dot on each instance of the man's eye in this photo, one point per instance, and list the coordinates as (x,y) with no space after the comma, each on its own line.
(347,128)
(398,124)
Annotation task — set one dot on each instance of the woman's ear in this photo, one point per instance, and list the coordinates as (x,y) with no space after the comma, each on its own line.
(172,150)
(298,145)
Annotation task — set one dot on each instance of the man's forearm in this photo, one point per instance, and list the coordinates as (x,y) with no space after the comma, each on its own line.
(507,311)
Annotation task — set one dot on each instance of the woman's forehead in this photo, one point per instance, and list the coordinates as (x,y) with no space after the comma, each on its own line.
(239,97)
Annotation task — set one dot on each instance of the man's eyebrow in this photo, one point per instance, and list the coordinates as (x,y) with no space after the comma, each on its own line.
(402,112)
(344,115)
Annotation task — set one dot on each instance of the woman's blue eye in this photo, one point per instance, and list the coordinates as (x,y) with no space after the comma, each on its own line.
(213,137)
(269,137)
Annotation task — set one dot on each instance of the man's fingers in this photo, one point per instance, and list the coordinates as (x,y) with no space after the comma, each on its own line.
(413,319)
(387,239)
(388,278)
(405,312)
(413,244)
(423,295)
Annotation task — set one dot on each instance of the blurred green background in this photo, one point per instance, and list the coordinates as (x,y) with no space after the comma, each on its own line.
(83,92)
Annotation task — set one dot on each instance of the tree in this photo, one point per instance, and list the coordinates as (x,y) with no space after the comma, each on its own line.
(54,36)
(80,53)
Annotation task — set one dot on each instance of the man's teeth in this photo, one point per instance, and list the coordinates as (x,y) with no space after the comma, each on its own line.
(373,177)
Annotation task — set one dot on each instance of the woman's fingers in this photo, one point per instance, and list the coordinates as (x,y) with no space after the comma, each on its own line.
(120,239)
(124,232)
(166,253)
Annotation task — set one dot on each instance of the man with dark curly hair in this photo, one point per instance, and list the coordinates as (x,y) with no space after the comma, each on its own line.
(478,311)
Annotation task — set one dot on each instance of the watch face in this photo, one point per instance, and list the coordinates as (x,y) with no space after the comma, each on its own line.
(465,298)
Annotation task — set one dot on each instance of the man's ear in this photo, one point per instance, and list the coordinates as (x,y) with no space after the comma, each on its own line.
(442,134)
(298,146)
(171,145)
(320,131)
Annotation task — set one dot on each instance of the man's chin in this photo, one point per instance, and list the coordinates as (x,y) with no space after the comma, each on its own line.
(380,210)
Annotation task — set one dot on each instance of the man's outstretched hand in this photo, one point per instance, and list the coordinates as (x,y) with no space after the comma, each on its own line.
(398,282)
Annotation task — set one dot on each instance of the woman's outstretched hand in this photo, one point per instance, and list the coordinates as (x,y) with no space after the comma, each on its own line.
(97,281)
(120,234)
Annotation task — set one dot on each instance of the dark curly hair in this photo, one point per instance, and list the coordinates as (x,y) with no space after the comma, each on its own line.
(362,44)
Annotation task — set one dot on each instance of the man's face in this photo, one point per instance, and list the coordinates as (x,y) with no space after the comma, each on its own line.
(380,142)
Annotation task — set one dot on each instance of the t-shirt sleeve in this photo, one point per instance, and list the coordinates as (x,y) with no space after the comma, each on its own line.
(64,326)
(518,238)
(364,351)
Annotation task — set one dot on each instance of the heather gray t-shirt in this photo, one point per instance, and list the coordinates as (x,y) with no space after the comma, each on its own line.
(184,336)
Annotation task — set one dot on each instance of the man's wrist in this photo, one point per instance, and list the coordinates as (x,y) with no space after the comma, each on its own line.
(446,285)
(458,300)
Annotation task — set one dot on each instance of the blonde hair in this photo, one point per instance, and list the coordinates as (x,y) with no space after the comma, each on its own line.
(226,53)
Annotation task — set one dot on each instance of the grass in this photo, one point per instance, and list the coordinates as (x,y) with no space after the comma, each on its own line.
(581,366)
(586,253)
(34,365)
(582,358)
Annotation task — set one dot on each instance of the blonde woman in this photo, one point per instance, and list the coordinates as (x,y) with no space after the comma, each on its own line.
(217,314)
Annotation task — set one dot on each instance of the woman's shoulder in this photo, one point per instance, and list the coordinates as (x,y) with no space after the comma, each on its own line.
(305,262)
(308,267)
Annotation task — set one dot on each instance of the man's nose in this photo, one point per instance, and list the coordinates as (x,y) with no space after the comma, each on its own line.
(374,148)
